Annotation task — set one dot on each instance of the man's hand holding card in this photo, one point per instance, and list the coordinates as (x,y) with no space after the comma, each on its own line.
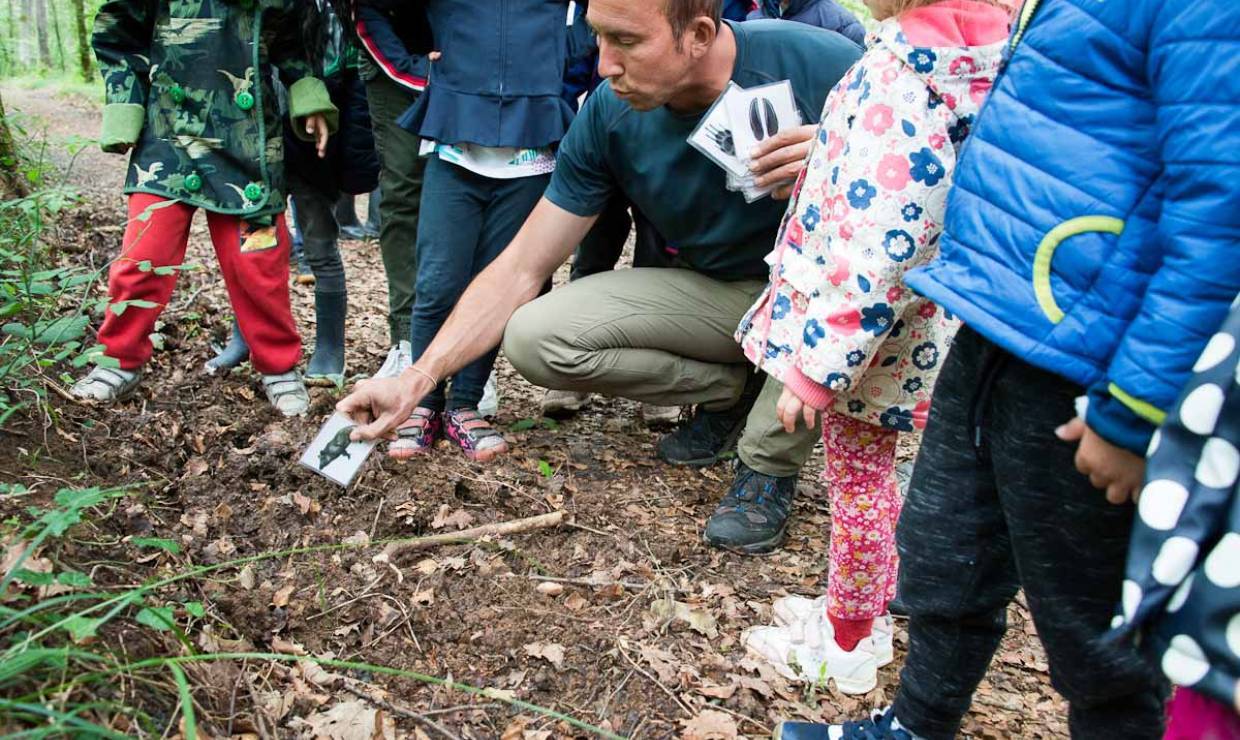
(756,136)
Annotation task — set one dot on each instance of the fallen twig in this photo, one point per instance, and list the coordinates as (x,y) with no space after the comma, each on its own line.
(598,583)
(401,712)
(516,526)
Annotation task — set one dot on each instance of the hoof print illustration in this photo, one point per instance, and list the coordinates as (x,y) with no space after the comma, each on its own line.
(763,120)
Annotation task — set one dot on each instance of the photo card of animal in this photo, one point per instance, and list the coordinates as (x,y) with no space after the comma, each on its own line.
(332,454)
(713,137)
(757,114)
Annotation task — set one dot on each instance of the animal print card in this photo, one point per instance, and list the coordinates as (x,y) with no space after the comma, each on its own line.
(332,454)
(738,120)
(713,137)
(758,113)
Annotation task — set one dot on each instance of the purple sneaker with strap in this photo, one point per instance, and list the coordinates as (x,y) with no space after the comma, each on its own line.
(480,441)
(417,434)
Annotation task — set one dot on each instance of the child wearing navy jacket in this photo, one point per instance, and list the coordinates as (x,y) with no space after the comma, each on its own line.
(489,119)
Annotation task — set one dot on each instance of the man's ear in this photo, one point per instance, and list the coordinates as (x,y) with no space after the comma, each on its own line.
(700,36)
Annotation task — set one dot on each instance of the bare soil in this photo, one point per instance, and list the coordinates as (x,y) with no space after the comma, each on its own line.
(215,469)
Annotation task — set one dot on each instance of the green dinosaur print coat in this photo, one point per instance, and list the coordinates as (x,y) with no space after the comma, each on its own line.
(189,87)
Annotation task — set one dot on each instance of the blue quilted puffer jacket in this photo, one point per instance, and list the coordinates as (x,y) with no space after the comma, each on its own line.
(1094,227)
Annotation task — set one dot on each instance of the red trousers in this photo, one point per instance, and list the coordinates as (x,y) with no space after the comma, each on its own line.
(253,261)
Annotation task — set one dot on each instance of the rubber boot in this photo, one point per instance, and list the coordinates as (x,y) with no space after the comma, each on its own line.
(326,366)
(235,353)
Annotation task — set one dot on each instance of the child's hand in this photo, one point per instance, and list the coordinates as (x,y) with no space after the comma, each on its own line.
(781,158)
(316,126)
(789,408)
(1112,469)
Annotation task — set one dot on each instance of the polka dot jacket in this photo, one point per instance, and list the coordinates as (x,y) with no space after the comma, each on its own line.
(1181,596)
(837,324)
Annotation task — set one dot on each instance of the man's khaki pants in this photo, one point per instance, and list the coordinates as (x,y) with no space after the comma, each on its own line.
(657,335)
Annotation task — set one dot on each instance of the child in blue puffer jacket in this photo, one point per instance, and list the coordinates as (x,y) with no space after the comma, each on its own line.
(1090,248)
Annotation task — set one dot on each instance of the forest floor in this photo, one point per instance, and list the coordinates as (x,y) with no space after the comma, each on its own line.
(640,635)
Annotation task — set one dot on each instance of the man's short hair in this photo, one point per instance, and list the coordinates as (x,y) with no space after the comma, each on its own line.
(680,13)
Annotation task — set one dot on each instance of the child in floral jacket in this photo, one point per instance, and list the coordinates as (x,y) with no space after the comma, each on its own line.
(839,328)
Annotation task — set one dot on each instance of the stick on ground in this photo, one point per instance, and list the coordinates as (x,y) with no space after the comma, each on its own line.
(516,526)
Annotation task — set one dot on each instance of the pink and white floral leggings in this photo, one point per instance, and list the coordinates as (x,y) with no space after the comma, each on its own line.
(860,476)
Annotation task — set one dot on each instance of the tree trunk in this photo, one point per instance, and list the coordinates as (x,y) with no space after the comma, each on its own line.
(83,40)
(61,52)
(12,184)
(25,35)
(40,18)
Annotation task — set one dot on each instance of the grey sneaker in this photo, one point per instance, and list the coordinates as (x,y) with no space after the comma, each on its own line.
(753,515)
(106,384)
(558,404)
(287,393)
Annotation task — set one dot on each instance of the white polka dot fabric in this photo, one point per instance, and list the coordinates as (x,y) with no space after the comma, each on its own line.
(1182,591)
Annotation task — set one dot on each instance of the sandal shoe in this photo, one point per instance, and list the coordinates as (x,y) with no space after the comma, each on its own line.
(106,384)
(480,441)
(287,393)
(417,434)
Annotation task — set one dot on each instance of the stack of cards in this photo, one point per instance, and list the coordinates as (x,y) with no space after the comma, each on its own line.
(738,121)
(332,454)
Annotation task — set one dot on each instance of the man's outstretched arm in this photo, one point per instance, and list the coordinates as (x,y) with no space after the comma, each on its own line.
(476,325)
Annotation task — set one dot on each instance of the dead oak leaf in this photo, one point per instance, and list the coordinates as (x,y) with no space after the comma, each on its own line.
(459,519)
(351,720)
(548,651)
(709,725)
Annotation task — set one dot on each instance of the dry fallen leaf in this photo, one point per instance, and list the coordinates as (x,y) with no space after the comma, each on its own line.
(195,467)
(351,720)
(305,504)
(288,647)
(548,651)
(427,566)
(549,588)
(709,725)
(317,674)
(358,539)
(717,692)
(669,610)
(459,519)
(245,578)
(280,598)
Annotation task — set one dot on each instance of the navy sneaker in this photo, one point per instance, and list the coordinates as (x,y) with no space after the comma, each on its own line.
(753,516)
(710,436)
(882,725)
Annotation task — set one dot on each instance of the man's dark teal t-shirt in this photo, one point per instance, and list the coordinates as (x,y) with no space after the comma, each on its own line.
(611,148)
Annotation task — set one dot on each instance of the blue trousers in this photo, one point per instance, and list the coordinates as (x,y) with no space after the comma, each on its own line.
(465,221)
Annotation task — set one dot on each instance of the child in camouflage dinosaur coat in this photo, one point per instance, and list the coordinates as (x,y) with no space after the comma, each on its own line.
(188,89)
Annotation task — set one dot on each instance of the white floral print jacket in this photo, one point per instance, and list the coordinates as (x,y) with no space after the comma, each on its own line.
(837,324)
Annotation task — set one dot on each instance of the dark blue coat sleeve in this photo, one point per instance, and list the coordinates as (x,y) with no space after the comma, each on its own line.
(381,41)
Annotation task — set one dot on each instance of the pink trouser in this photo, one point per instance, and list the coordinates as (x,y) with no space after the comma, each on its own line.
(1195,716)
(860,476)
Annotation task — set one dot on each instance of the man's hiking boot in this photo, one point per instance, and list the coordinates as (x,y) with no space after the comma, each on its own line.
(710,436)
(753,515)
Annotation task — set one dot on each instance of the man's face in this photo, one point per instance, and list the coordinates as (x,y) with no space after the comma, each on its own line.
(637,51)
